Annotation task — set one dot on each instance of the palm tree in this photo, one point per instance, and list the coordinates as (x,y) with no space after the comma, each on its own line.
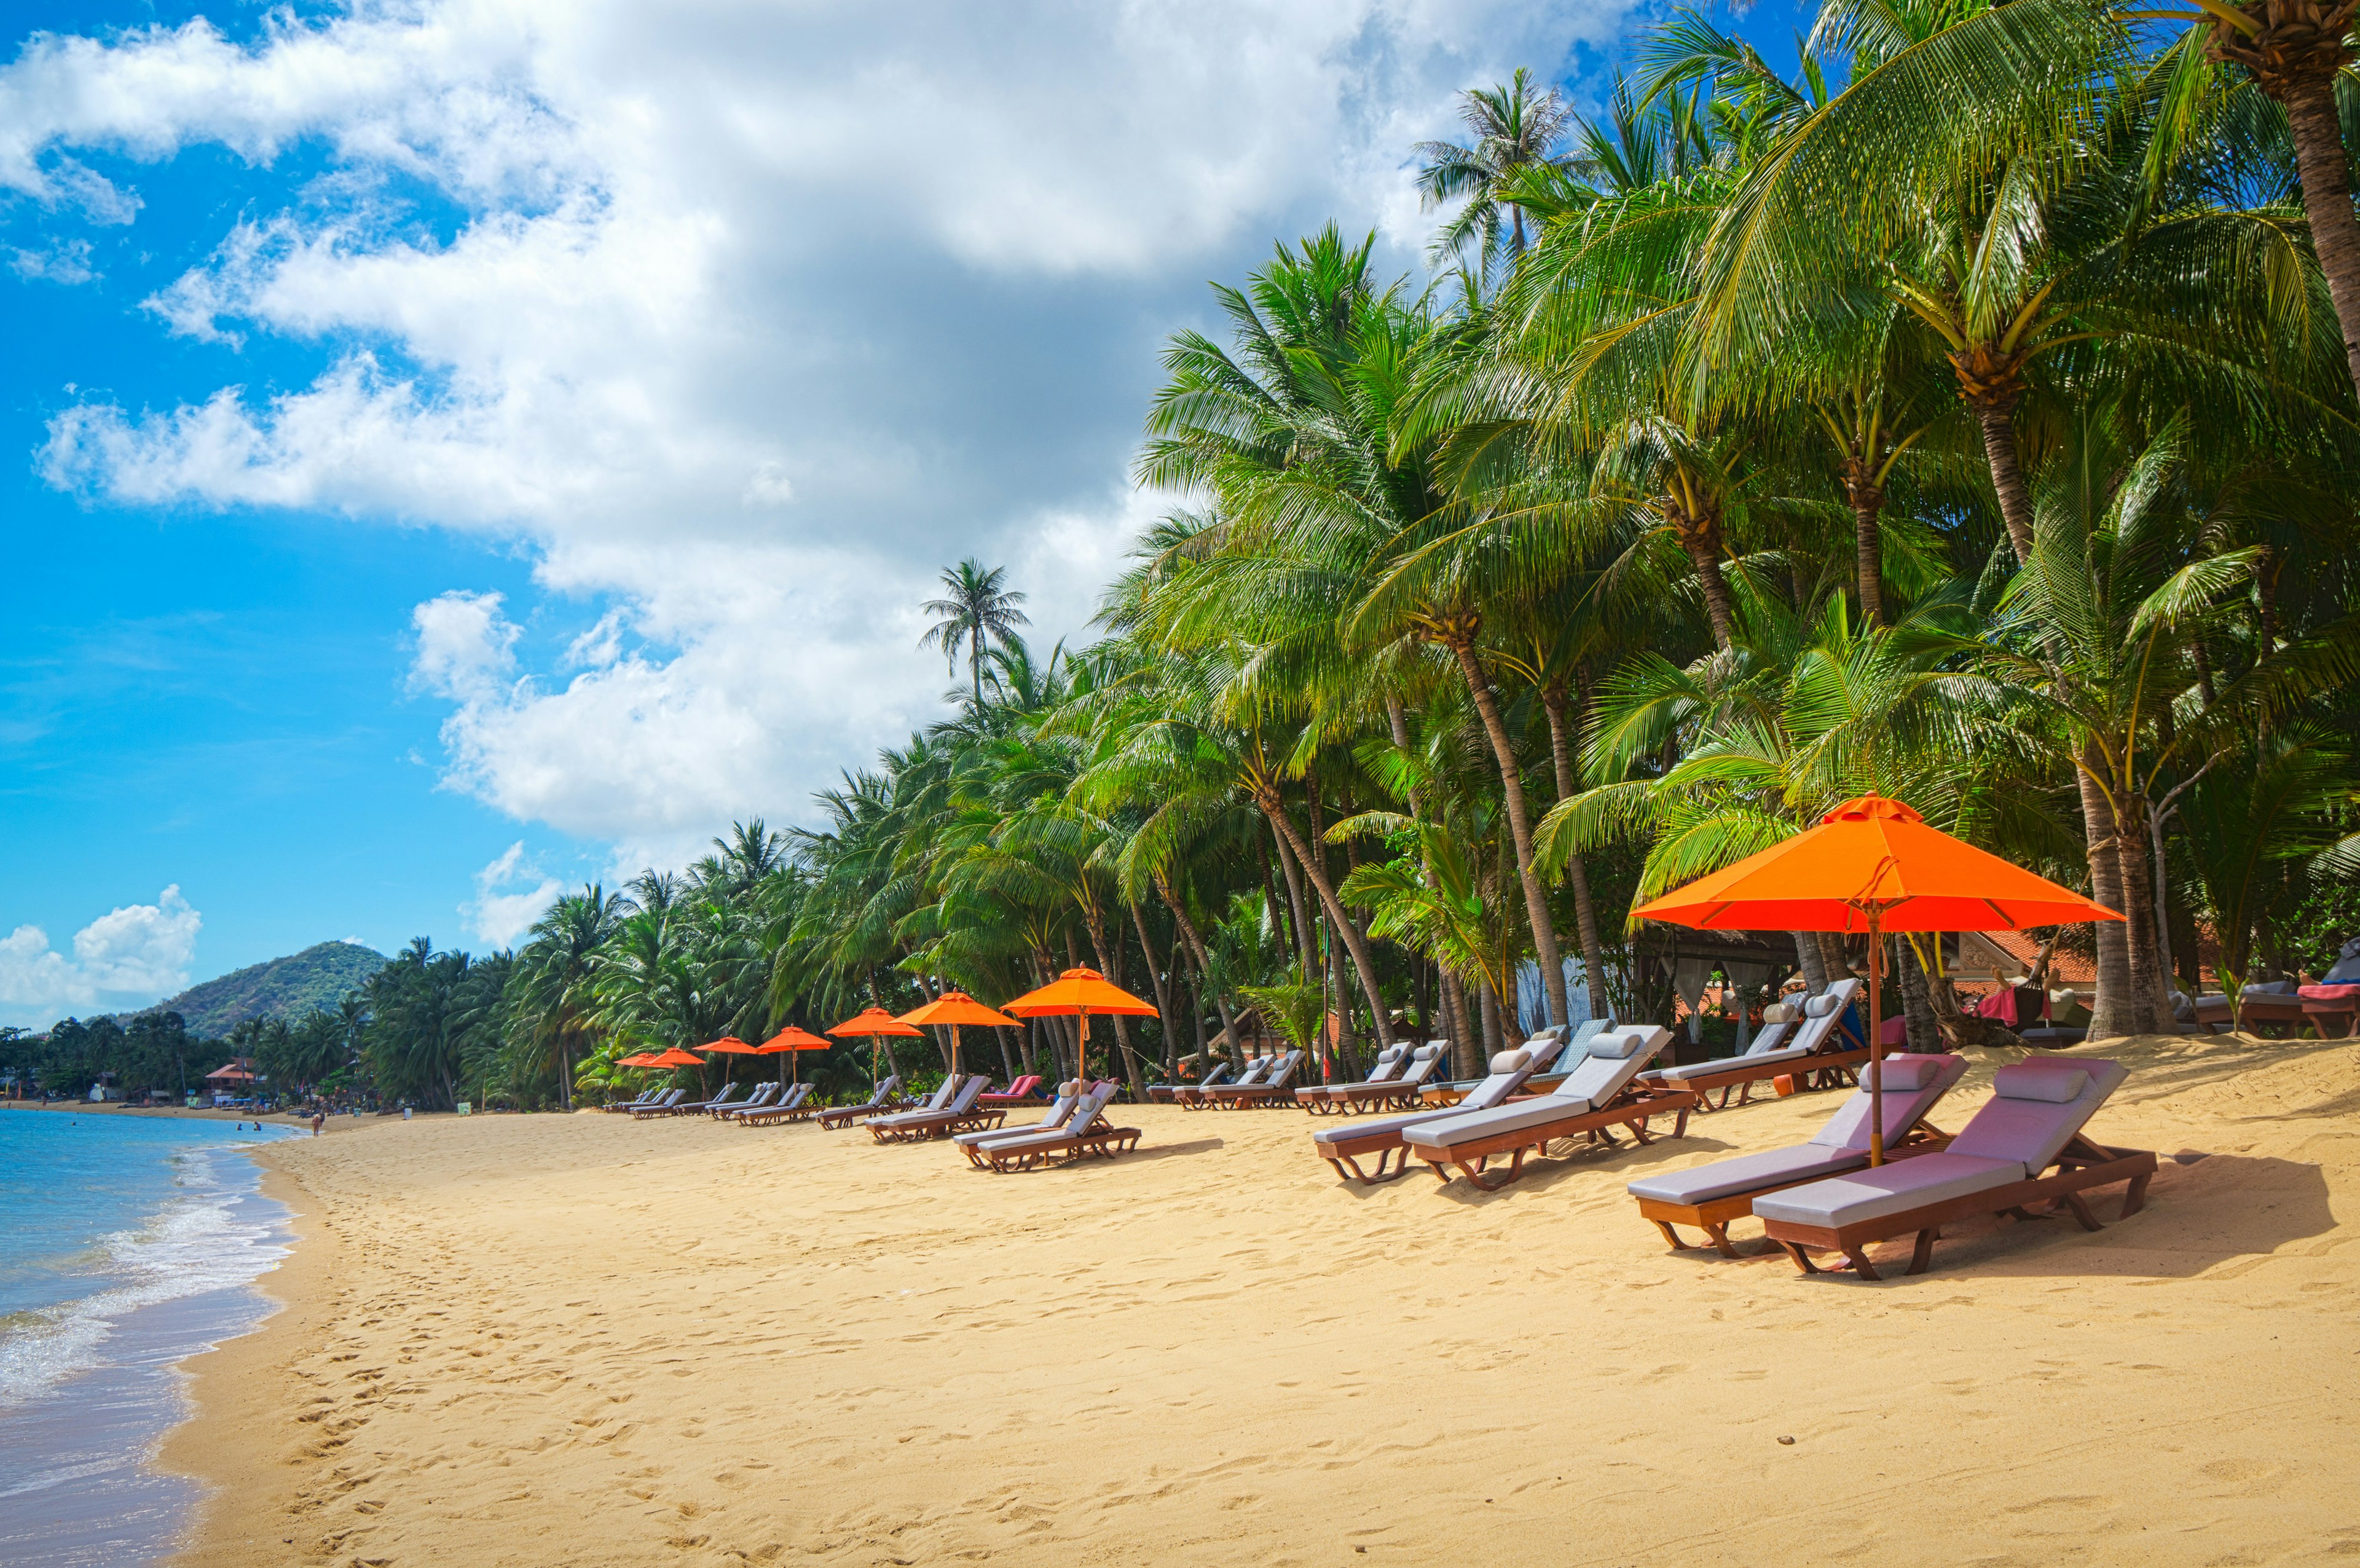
(2296,52)
(1515,130)
(552,998)
(975,611)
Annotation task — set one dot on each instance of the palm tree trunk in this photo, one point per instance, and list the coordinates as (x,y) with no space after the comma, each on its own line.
(2148,1009)
(2110,1015)
(2327,201)
(1357,944)
(1305,943)
(1917,1001)
(1563,737)
(1195,941)
(1163,992)
(1487,702)
(1868,555)
(2007,474)
(1717,607)
(1813,963)
(1455,1027)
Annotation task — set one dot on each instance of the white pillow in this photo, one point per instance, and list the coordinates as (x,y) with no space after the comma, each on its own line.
(1820,1005)
(1778,1013)
(1907,1073)
(1614,1044)
(1509,1060)
(2039,1081)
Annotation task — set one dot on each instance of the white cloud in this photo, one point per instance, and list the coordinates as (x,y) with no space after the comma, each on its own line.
(129,957)
(499,914)
(66,261)
(752,318)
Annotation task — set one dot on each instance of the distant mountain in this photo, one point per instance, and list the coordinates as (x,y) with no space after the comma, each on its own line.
(284,988)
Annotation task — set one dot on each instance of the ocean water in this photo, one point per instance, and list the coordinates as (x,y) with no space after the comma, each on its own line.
(127,1243)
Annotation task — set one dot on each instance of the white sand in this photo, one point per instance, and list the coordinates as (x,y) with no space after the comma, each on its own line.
(577,1340)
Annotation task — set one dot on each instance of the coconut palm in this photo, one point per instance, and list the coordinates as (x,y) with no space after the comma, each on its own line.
(1514,130)
(977,609)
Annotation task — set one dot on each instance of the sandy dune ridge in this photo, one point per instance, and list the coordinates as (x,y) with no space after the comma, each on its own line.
(577,1340)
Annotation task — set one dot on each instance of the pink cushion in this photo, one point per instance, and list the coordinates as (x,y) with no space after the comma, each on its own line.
(2329,993)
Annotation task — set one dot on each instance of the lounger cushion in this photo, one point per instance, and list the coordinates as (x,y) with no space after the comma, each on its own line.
(2034,1132)
(1451,1130)
(2032,1080)
(1747,1173)
(1510,1060)
(1820,1005)
(1617,1043)
(1869,1194)
(1910,1073)
(1780,1013)
(1748,1062)
(1847,1128)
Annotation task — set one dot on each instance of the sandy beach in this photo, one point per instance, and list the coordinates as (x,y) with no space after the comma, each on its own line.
(547,1339)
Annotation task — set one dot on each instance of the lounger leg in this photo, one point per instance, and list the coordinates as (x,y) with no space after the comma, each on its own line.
(1802,1259)
(1680,1126)
(2136,1198)
(1673,1237)
(2082,1212)
(1639,1130)
(1861,1265)
(1921,1257)
(1720,1234)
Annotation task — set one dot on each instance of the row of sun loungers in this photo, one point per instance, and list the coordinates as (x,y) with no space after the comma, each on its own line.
(1597,1095)
(1813,1048)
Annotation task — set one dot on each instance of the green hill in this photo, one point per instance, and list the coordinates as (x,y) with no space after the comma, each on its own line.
(284,988)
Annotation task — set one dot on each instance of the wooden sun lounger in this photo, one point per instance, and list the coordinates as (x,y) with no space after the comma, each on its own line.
(1198,1096)
(1343,1148)
(2024,1146)
(1085,1135)
(885,1098)
(1712,1197)
(1600,1094)
(1276,1090)
(1025,1091)
(662,1108)
(646,1098)
(1399,1094)
(728,1096)
(1389,1064)
(794,1106)
(962,1115)
(1169,1094)
(762,1095)
(1822,1055)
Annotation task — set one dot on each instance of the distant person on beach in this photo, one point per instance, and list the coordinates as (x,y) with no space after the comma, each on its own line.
(318,1120)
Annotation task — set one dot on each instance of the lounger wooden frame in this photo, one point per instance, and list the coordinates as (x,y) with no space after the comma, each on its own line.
(1106,1142)
(1715,1215)
(853,1115)
(2083,1166)
(1344,1155)
(1633,1109)
(663,1107)
(777,1114)
(939,1123)
(1822,1070)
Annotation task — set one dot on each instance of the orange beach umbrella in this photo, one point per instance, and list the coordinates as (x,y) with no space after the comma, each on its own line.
(792,1042)
(1873,866)
(956,1007)
(1079,993)
(674,1057)
(876,1023)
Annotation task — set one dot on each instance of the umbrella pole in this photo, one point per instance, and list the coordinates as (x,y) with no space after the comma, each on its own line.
(1082,1058)
(1875,1043)
(953,1050)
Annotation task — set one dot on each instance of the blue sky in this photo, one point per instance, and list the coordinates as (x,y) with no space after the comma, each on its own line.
(452,459)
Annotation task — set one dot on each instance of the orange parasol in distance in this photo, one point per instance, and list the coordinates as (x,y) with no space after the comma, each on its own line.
(956,1007)
(1079,993)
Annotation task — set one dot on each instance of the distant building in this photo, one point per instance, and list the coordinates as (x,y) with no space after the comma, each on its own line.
(234,1078)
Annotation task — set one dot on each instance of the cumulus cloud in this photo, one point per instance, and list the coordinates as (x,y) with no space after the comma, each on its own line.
(510,894)
(127,957)
(752,318)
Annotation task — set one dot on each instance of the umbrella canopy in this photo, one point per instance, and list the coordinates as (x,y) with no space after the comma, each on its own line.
(674,1057)
(875,1023)
(637,1058)
(1079,993)
(792,1042)
(1873,859)
(730,1045)
(956,1007)
(1873,866)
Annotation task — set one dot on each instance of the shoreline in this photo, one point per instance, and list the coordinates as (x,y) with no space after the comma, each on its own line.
(594,1340)
(236,1383)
